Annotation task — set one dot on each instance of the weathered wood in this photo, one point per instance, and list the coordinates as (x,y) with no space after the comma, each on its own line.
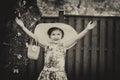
(117,50)
(86,59)
(79,52)
(94,54)
(102,49)
(71,53)
(110,49)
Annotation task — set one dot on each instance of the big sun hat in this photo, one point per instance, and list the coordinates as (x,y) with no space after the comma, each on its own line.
(42,29)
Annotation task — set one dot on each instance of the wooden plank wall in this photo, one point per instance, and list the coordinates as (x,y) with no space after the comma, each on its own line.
(94,57)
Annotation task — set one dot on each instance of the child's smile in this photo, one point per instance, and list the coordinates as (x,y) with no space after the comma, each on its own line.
(56,36)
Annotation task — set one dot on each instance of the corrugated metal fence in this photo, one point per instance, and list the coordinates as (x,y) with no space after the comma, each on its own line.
(94,57)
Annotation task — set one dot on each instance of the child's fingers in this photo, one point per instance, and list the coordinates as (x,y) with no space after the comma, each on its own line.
(16,19)
(91,22)
(95,22)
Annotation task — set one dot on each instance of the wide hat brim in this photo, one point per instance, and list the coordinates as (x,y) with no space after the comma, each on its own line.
(42,29)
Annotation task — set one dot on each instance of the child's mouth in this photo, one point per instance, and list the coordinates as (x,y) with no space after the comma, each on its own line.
(56,39)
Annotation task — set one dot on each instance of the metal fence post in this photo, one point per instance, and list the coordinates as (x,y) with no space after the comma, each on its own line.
(61,16)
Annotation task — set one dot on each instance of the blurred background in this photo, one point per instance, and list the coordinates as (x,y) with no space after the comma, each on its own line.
(95,57)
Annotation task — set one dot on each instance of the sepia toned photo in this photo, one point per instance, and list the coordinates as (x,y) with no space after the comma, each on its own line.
(60,40)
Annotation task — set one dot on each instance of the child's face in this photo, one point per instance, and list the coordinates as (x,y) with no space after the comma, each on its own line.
(56,36)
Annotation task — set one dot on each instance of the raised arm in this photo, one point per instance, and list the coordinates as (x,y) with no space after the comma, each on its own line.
(89,27)
(21,24)
(29,33)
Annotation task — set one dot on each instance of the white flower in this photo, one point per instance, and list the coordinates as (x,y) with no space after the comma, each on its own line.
(19,56)
(18,34)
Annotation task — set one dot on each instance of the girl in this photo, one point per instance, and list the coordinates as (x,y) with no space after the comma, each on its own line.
(58,41)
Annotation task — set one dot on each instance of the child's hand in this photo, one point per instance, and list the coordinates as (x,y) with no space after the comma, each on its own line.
(19,22)
(91,25)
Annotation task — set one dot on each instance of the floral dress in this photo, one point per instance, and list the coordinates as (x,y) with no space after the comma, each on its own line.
(54,65)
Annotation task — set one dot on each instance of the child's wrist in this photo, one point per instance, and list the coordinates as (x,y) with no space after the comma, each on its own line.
(87,29)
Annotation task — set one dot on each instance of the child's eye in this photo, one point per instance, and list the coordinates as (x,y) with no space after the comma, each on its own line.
(53,34)
(58,34)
